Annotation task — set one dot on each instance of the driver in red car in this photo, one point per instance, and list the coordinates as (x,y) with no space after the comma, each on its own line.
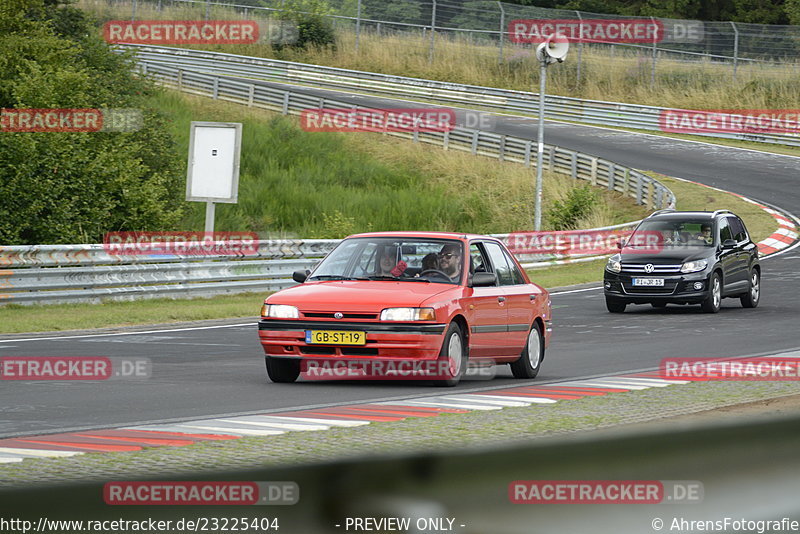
(450,261)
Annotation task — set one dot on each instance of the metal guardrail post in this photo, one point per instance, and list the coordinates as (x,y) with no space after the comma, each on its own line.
(612,176)
(433,31)
(639,189)
(655,55)
(573,165)
(285,110)
(251,92)
(502,30)
(358,24)
(735,48)
(580,50)
(528,149)
(215,89)
(501,153)
(475,135)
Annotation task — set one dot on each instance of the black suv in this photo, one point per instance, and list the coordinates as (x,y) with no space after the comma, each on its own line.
(701,258)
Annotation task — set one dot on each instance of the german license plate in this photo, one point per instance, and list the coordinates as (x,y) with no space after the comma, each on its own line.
(649,282)
(336,337)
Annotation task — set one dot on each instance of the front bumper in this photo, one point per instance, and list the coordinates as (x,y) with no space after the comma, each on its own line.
(384,341)
(678,288)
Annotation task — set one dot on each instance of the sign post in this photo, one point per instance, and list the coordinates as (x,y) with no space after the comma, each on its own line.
(213,170)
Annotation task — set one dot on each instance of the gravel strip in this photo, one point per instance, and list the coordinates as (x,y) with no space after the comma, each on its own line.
(442,433)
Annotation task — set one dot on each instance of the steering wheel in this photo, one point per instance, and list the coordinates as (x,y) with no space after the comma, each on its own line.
(436,272)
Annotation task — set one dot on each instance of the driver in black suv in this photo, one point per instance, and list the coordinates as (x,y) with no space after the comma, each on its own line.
(702,258)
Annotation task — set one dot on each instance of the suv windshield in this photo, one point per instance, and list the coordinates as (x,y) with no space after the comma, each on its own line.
(394,259)
(676,233)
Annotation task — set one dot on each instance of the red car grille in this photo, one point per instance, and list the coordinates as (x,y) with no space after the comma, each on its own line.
(329,315)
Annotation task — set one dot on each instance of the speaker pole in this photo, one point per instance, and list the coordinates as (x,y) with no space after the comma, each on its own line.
(537,225)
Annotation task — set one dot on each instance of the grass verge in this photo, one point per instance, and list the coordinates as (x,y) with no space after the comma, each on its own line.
(327,185)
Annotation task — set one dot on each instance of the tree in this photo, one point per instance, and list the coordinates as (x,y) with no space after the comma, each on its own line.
(59,187)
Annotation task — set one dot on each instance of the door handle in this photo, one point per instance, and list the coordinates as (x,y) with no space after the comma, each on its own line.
(533,297)
(501,299)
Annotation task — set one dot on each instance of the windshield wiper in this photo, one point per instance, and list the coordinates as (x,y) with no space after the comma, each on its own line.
(334,277)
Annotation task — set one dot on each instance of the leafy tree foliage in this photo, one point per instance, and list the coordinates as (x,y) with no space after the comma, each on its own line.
(59,187)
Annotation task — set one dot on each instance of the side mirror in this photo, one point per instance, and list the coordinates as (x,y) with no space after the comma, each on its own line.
(484,279)
(620,244)
(728,244)
(300,276)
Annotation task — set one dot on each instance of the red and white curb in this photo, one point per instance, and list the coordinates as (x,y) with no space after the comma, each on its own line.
(136,438)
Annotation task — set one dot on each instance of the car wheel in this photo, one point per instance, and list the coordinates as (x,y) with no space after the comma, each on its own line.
(452,357)
(712,302)
(282,370)
(529,362)
(659,304)
(751,298)
(615,306)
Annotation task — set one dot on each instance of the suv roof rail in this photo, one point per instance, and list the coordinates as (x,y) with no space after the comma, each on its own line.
(717,212)
(659,212)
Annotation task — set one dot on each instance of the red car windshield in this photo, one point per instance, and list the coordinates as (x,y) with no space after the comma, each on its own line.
(392,258)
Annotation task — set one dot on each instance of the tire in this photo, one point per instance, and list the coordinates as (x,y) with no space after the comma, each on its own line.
(282,370)
(454,352)
(615,306)
(660,305)
(530,361)
(713,301)
(753,295)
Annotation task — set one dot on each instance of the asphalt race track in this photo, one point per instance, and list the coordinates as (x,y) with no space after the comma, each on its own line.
(203,372)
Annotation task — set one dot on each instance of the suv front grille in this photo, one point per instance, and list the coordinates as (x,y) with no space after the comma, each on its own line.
(638,268)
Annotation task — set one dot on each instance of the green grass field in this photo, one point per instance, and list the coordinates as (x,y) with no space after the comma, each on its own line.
(327,185)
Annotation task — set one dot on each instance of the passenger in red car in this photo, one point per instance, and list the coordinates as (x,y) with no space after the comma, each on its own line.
(387,261)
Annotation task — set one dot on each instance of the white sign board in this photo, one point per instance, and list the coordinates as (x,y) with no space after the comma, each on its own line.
(213,170)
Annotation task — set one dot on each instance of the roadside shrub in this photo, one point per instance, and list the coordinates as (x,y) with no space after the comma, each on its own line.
(578,203)
(312,27)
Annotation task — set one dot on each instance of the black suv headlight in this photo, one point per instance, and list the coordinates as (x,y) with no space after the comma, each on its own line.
(694,266)
(614,264)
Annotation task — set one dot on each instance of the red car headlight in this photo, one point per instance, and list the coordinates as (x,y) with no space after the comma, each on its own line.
(408,314)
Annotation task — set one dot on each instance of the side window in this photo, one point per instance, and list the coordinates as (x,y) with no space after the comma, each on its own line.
(737,229)
(477,260)
(498,259)
(724,230)
(516,275)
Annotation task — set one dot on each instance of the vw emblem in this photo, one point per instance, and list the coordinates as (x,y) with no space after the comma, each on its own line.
(649,268)
(338,315)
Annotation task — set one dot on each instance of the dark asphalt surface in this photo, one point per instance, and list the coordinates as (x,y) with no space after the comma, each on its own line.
(214,371)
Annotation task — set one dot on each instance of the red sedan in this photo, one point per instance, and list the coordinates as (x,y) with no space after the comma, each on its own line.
(408,305)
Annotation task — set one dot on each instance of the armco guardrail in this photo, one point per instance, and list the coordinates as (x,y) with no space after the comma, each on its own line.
(72,273)
(47,274)
(556,107)
(81,273)
(170,70)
